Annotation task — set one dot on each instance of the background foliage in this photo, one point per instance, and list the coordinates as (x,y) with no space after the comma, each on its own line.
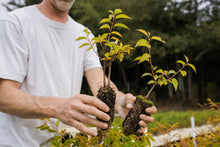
(189,27)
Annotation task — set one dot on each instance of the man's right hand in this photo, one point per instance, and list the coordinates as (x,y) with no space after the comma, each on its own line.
(73,111)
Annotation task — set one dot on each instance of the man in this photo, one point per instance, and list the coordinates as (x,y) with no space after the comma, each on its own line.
(41,70)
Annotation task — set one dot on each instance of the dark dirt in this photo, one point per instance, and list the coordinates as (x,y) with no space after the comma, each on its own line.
(130,124)
(108,96)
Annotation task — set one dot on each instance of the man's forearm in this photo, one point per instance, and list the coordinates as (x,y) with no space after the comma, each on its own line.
(16,102)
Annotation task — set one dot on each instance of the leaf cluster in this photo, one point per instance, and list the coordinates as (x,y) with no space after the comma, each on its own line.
(206,139)
(159,76)
(111,45)
(109,41)
(114,138)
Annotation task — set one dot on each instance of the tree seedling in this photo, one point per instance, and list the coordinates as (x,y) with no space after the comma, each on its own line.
(158,76)
(112,49)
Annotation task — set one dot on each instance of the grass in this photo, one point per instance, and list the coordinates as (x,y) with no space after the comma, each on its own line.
(171,117)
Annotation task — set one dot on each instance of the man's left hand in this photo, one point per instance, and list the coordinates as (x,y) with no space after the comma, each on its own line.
(126,103)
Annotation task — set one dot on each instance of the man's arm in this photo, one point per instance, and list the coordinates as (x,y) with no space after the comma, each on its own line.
(94,77)
(68,110)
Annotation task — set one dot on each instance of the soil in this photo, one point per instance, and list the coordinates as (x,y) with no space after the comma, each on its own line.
(108,96)
(130,124)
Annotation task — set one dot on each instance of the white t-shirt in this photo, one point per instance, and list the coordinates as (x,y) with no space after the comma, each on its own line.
(45,57)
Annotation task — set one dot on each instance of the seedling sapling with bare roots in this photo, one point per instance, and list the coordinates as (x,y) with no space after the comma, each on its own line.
(113,49)
(159,77)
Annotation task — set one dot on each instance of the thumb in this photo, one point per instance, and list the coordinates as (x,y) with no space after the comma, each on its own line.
(130,100)
(127,101)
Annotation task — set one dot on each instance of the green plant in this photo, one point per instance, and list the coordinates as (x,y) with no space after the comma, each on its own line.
(112,49)
(211,138)
(158,76)
(110,43)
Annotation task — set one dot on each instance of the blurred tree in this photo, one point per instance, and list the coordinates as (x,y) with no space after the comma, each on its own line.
(190,27)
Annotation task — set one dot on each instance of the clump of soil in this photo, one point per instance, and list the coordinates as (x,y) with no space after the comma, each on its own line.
(130,124)
(108,96)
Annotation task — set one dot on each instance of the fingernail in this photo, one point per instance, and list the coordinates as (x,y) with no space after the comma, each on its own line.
(107,109)
(141,116)
(108,118)
(95,134)
(129,105)
(148,110)
(105,125)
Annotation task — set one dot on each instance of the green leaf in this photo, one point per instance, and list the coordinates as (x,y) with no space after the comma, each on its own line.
(114,38)
(51,130)
(143,31)
(110,17)
(104,35)
(187,59)
(156,77)
(181,62)
(193,67)
(110,11)
(117,11)
(175,83)
(48,119)
(85,44)
(122,16)
(151,138)
(120,57)
(158,39)
(109,44)
(183,73)
(161,83)
(104,20)
(107,56)
(171,72)
(44,127)
(95,38)
(105,26)
(151,82)
(80,38)
(121,25)
(142,42)
(144,57)
(89,48)
(57,123)
(86,31)
(116,33)
(146,74)
(159,71)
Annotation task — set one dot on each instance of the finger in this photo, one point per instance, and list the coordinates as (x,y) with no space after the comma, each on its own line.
(130,100)
(122,112)
(142,131)
(94,101)
(122,101)
(94,111)
(81,127)
(151,110)
(146,118)
(88,120)
(142,124)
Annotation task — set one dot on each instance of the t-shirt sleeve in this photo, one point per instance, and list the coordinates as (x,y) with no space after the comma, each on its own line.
(13,52)
(91,59)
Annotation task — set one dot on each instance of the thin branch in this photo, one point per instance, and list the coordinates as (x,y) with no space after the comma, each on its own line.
(90,43)
(152,88)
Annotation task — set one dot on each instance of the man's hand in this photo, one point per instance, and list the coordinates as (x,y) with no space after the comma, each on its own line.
(126,103)
(74,112)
